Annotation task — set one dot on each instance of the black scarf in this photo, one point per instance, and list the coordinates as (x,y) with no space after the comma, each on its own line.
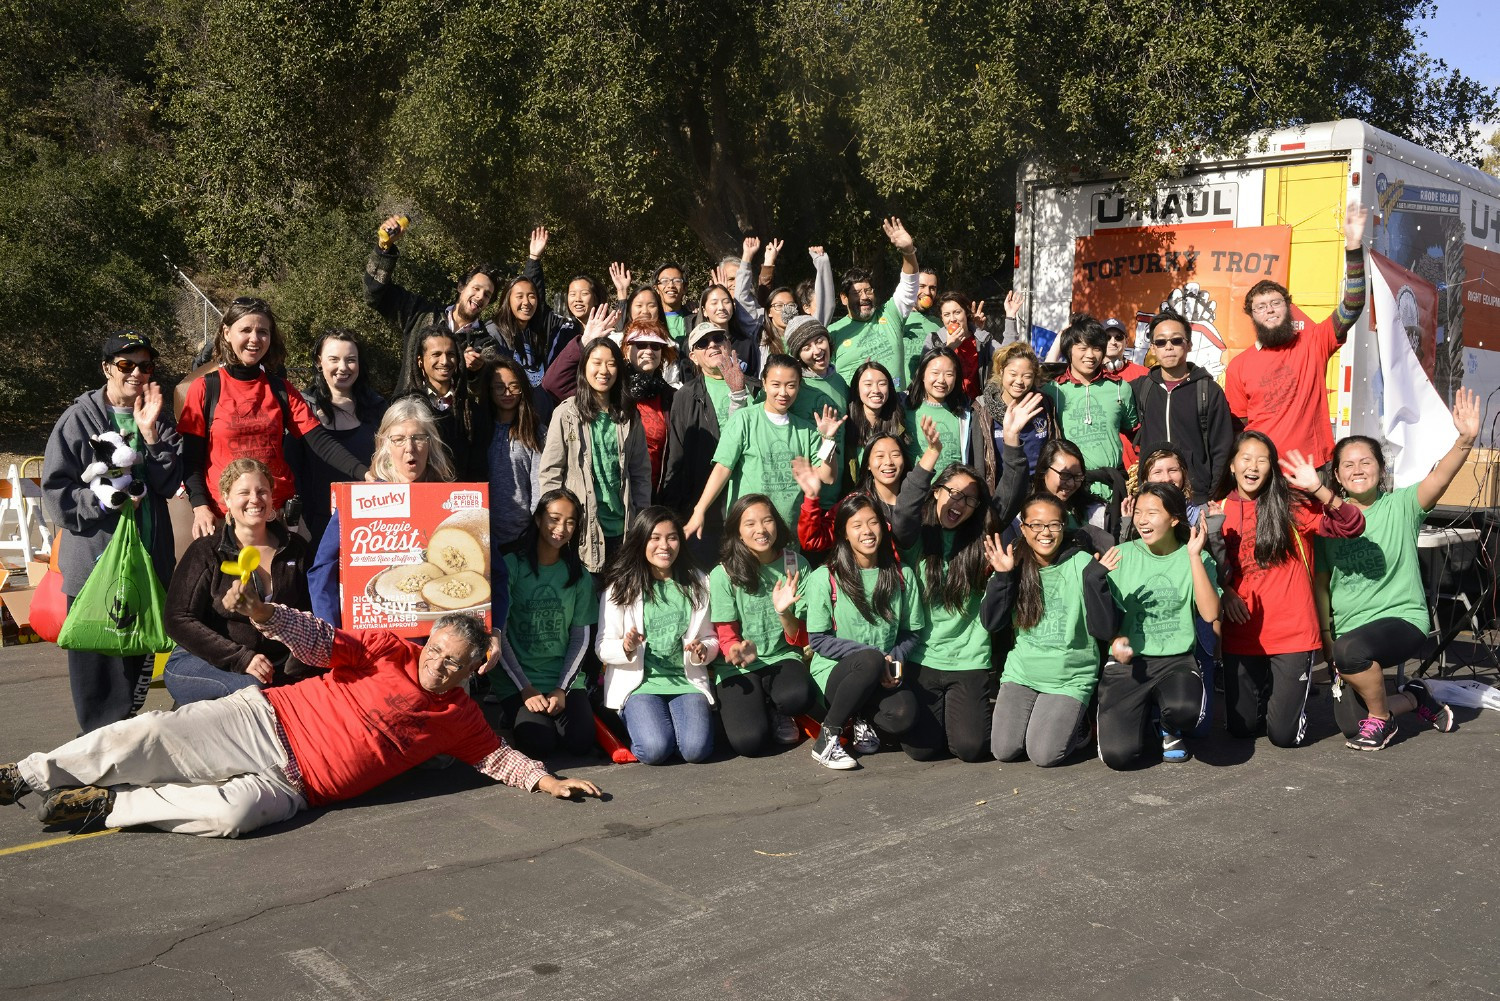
(644,385)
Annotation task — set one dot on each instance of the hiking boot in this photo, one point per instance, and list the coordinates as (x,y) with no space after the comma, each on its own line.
(1374,734)
(1173,748)
(77,805)
(864,739)
(12,786)
(784,729)
(828,752)
(1429,709)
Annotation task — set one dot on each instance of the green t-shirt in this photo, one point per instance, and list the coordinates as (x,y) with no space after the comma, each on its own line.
(678,328)
(756,614)
(1092,417)
(718,398)
(609,487)
(125,424)
(818,392)
(1057,656)
(758,452)
(1156,593)
(951,640)
(950,429)
(666,614)
(914,333)
(827,614)
(543,608)
(1376,575)
(876,339)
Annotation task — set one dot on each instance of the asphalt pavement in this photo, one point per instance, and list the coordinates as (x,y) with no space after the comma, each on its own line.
(1249,872)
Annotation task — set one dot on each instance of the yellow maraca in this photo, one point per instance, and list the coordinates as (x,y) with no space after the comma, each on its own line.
(244,566)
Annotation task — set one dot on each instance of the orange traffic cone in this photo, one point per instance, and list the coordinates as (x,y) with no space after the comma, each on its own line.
(618,752)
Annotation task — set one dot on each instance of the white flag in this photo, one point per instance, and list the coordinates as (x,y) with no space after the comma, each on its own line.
(1416,424)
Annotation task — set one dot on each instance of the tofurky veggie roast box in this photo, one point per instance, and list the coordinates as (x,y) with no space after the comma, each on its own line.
(410,553)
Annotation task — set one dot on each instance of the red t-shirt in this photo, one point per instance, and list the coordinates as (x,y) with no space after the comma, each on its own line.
(247,424)
(654,423)
(1283,392)
(1283,618)
(368,719)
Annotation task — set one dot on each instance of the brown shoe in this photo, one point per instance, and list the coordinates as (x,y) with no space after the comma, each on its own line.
(77,805)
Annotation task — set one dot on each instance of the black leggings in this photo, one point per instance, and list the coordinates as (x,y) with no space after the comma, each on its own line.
(539,735)
(1386,642)
(854,689)
(743,699)
(1126,692)
(1267,690)
(953,714)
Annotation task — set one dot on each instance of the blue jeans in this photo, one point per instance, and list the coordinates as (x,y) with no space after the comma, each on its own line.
(190,678)
(658,725)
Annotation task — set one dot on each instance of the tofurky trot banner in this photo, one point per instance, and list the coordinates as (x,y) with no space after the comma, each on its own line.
(410,553)
(1202,271)
(1414,420)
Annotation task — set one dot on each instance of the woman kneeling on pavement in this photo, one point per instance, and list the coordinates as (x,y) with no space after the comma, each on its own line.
(219,650)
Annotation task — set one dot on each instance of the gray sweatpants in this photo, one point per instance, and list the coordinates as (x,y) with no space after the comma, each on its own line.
(1045,728)
(213,768)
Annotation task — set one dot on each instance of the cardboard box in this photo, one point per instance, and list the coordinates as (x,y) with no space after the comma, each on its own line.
(1477,484)
(410,553)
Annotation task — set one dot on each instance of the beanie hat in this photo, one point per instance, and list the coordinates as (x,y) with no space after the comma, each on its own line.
(800,331)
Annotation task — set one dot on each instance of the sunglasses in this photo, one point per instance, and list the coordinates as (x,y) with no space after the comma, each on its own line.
(1175,342)
(710,340)
(125,366)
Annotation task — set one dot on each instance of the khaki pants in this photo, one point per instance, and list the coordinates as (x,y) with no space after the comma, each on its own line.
(214,768)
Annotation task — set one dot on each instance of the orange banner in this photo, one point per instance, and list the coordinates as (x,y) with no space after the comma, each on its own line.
(1203,272)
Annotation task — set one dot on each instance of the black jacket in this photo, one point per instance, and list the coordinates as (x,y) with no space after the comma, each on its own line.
(1172,419)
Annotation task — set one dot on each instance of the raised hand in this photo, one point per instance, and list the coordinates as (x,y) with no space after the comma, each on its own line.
(1197,538)
(1355,218)
(806,476)
(602,319)
(620,275)
(1127,507)
(147,409)
(815,252)
(538,242)
(734,376)
(1110,558)
(829,421)
(750,245)
(773,251)
(931,434)
(899,237)
(717,276)
(1018,415)
(1002,557)
(784,594)
(1012,304)
(390,232)
(1466,414)
(980,319)
(1300,472)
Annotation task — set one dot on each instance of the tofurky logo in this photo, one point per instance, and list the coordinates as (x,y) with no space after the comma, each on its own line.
(1196,305)
(463,500)
(379,500)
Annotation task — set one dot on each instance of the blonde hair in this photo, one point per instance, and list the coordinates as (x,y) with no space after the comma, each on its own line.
(1011,352)
(411,410)
(239,467)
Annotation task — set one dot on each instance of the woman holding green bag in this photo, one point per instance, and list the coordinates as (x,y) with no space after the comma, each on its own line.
(107,687)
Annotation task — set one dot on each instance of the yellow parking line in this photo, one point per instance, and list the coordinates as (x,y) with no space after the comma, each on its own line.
(58,841)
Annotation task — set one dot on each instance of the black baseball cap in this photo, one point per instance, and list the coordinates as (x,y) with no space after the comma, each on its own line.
(122,341)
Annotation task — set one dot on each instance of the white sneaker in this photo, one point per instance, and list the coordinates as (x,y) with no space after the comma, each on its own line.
(828,752)
(785,729)
(865,739)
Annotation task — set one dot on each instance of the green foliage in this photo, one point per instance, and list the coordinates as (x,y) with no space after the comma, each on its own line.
(261,141)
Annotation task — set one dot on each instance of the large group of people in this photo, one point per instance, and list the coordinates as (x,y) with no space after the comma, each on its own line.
(728,521)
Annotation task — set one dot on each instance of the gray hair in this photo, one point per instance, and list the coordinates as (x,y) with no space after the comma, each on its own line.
(467,628)
(410,409)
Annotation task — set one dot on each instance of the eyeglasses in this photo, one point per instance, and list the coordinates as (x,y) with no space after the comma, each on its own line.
(125,366)
(968,501)
(672,282)
(417,440)
(1043,527)
(1264,308)
(1066,475)
(1175,342)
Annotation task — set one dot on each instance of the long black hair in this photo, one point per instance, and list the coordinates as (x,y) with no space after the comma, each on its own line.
(740,564)
(1077,502)
(629,576)
(1029,606)
(369,405)
(951,581)
(527,427)
(1173,501)
(882,604)
(532,535)
(513,334)
(890,417)
(957,400)
(866,483)
(620,409)
(1274,523)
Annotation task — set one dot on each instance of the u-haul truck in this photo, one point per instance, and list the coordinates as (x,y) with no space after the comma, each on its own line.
(1202,241)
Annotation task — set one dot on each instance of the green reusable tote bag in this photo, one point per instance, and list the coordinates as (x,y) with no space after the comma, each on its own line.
(119,611)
